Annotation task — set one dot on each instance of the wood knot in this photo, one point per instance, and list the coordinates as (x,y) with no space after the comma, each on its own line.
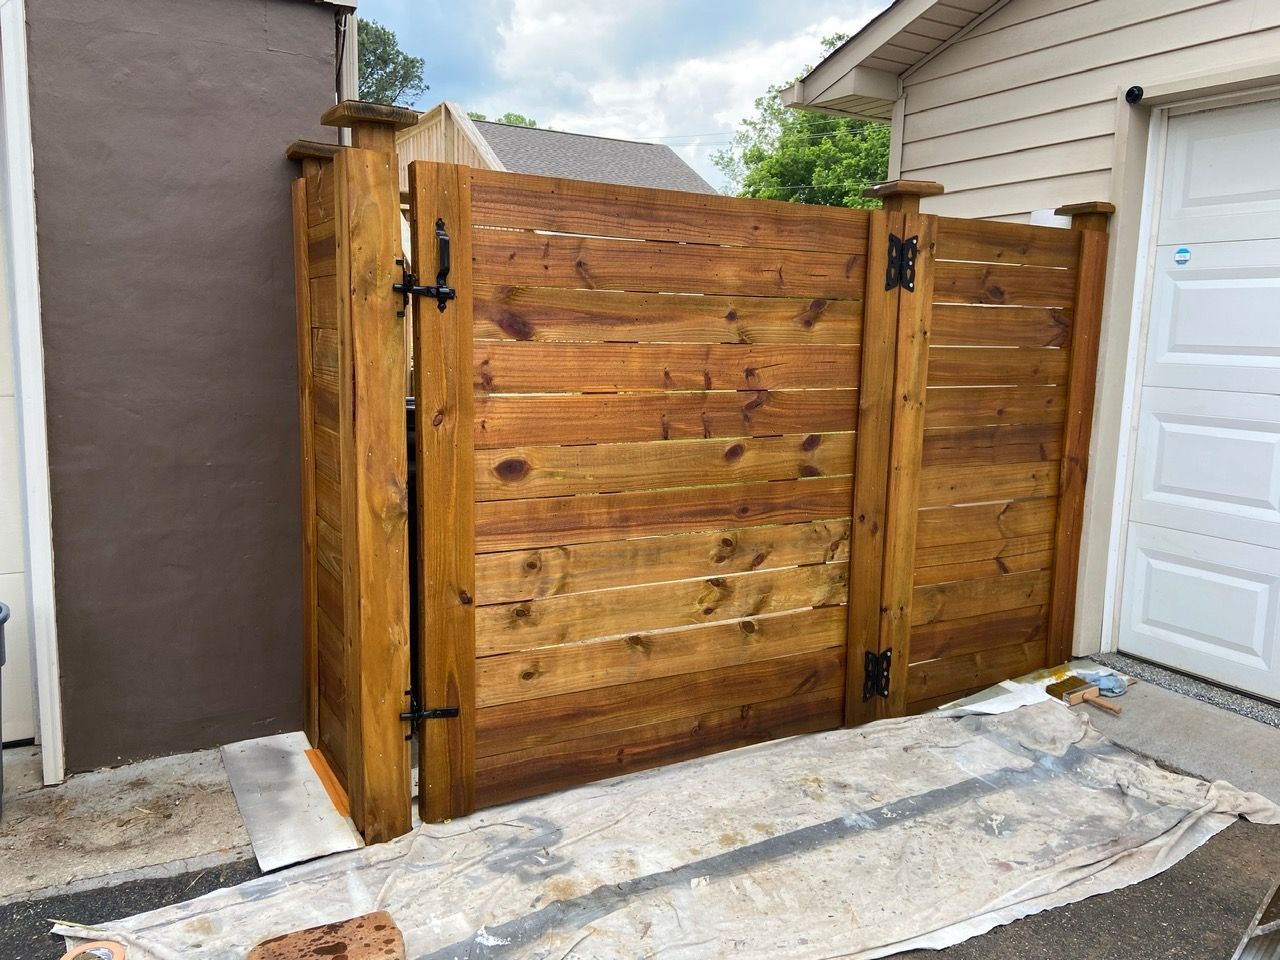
(520,612)
(464,598)
(735,452)
(748,626)
(512,469)
(533,564)
(809,470)
(515,326)
(812,442)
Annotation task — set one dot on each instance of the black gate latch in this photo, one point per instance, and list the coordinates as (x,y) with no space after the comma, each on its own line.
(876,679)
(441,291)
(901,270)
(416,713)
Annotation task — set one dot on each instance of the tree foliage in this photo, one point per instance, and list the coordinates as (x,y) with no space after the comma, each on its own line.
(805,157)
(387,73)
(515,119)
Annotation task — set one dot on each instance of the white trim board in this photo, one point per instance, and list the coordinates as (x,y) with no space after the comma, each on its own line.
(18,206)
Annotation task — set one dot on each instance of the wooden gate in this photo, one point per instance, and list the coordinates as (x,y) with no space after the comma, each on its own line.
(693,471)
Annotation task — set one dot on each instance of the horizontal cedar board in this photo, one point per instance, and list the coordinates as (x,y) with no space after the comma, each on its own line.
(602,755)
(951,675)
(328,500)
(546,471)
(972,598)
(329,594)
(631,611)
(550,521)
(992,241)
(555,571)
(995,551)
(551,315)
(618,418)
(941,526)
(554,671)
(329,548)
(541,260)
(983,366)
(956,282)
(324,357)
(322,249)
(982,406)
(333,740)
(321,195)
(523,724)
(612,210)
(331,661)
(943,484)
(956,638)
(973,446)
(326,405)
(956,324)
(327,453)
(512,367)
(1010,556)
(324,302)
(917,707)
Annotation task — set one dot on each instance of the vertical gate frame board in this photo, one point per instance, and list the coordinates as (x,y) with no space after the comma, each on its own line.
(871,464)
(375,500)
(1091,220)
(910,376)
(302,296)
(446,494)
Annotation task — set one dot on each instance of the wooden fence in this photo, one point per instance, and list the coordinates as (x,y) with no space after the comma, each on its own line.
(693,471)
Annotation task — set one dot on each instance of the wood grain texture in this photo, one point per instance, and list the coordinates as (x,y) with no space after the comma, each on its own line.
(524,724)
(968,635)
(987,366)
(550,521)
(991,241)
(959,447)
(446,496)
(551,315)
(524,201)
(875,405)
(959,282)
(553,671)
(1075,441)
(575,568)
(572,619)
(600,755)
(617,418)
(515,367)
(376,515)
(943,484)
(546,471)
(982,523)
(958,324)
(971,598)
(911,375)
(306,429)
(989,558)
(988,406)
(542,260)
(951,676)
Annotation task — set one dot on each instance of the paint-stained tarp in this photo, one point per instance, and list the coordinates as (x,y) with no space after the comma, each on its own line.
(859,843)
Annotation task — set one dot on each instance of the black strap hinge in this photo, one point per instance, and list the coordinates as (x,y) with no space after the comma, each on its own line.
(901,270)
(442,292)
(876,678)
(415,714)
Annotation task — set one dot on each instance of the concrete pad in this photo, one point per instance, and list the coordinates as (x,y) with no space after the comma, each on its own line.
(1196,738)
(153,818)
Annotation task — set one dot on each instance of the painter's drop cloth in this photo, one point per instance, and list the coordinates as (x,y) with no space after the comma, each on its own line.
(908,833)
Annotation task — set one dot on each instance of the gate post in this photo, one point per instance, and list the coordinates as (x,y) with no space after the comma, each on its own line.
(895,351)
(1091,220)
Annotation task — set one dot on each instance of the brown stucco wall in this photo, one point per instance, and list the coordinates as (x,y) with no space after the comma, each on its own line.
(159,129)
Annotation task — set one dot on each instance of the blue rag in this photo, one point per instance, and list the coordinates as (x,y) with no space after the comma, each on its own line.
(1109,684)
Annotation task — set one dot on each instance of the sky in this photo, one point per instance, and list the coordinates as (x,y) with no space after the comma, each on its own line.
(679,72)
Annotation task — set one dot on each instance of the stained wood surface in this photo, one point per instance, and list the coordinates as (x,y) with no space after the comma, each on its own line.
(446,496)
(989,283)
(549,470)
(978,325)
(551,315)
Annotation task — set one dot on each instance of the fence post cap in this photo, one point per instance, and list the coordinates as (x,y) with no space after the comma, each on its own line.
(1091,206)
(904,188)
(311,150)
(350,113)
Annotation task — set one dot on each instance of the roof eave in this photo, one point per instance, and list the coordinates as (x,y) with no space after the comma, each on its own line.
(860,92)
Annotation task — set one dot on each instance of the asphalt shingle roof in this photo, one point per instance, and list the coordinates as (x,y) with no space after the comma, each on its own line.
(579,156)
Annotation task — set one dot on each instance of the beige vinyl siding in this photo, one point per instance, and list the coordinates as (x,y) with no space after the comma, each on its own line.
(1019,112)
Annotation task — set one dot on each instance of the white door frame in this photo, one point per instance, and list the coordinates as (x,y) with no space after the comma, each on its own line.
(18,204)
(1137,173)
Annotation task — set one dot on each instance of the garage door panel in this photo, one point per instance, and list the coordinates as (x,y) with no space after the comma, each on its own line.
(1204,605)
(1220,181)
(1214,318)
(1209,463)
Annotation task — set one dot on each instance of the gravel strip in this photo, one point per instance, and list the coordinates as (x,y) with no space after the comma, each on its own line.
(1244,705)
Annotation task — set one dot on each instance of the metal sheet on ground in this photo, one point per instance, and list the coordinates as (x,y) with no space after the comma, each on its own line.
(804,848)
(287,812)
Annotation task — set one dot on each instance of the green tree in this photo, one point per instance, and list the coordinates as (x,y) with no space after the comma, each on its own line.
(805,157)
(516,119)
(387,73)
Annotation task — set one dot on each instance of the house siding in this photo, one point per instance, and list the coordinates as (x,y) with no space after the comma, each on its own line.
(162,197)
(1019,114)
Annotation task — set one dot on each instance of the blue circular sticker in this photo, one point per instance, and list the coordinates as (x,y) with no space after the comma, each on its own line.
(1182,256)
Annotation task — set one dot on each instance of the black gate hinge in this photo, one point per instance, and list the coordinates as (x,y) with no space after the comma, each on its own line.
(415,714)
(876,678)
(442,292)
(901,270)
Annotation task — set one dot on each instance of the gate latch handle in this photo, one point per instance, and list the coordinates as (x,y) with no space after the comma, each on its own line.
(442,292)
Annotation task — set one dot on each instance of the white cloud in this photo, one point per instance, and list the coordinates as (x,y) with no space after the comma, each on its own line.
(564,63)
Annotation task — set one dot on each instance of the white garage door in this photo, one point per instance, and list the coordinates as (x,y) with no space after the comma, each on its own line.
(1201,588)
